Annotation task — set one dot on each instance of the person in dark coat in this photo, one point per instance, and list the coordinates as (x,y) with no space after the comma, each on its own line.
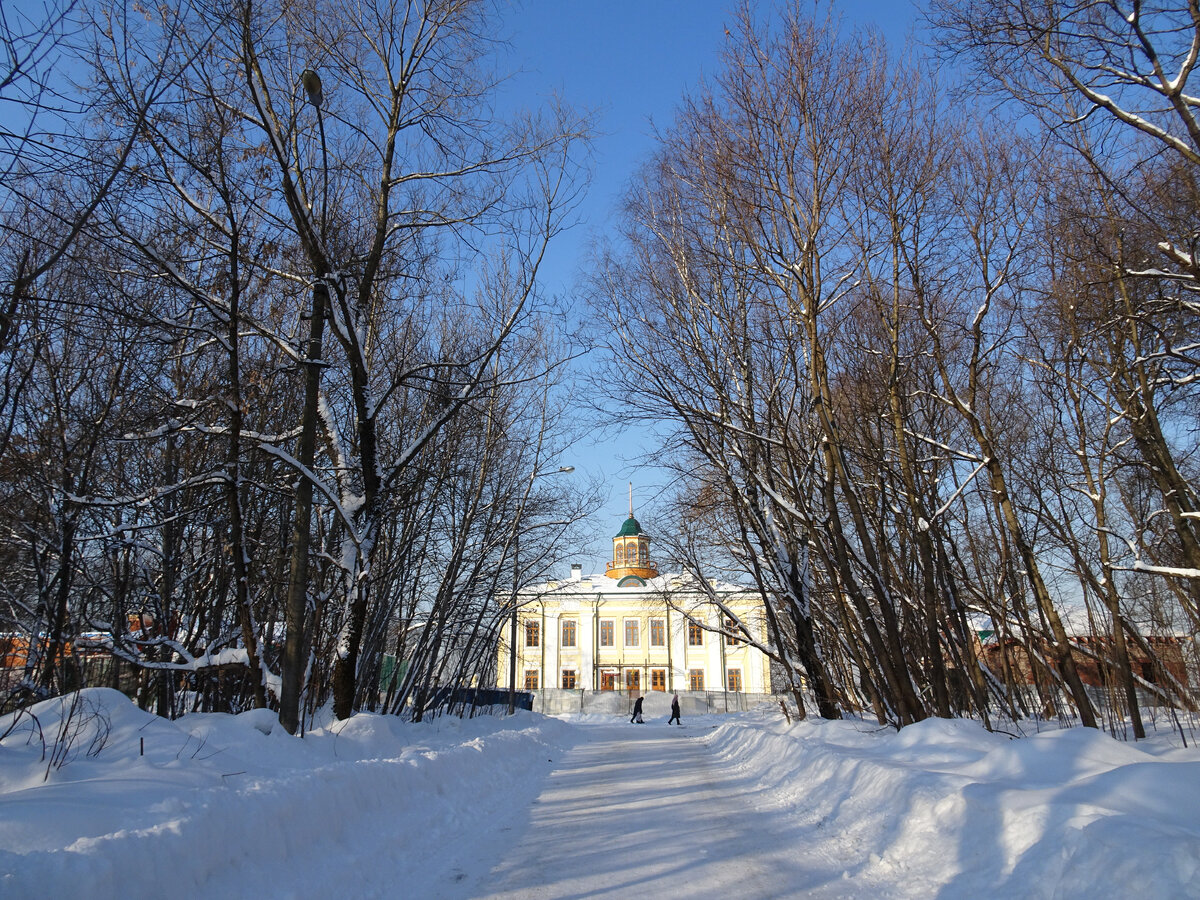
(674,711)
(637,711)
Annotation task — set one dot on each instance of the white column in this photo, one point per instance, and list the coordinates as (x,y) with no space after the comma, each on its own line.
(586,639)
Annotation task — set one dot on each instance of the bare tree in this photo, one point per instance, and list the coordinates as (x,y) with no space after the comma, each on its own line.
(349,168)
(330,244)
(1110,81)
(836,309)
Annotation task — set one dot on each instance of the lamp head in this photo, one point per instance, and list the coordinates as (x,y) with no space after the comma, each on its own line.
(312,87)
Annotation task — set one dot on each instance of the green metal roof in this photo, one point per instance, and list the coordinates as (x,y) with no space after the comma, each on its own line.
(630,528)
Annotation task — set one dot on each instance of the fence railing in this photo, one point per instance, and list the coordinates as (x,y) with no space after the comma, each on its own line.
(557,701)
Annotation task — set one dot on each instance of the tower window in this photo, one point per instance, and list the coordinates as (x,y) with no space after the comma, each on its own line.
(620,555)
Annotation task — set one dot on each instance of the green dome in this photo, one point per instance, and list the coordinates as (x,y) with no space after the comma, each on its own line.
(630,528)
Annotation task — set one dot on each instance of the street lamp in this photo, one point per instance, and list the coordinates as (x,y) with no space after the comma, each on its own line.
(512,630)
(311,82)
(296,604)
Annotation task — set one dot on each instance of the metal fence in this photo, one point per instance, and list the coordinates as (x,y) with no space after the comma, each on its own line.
(472,701)
(556,701)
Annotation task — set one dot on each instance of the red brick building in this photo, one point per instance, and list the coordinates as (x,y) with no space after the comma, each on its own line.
(1088,651)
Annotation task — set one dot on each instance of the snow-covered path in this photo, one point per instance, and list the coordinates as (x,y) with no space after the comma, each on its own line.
(637,811)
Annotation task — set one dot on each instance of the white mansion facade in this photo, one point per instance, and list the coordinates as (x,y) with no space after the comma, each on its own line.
(635,630)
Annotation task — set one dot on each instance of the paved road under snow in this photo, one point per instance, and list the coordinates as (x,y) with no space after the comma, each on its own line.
(642,811)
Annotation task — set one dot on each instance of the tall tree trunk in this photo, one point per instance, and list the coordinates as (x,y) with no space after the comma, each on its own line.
(296,606)
(233,489)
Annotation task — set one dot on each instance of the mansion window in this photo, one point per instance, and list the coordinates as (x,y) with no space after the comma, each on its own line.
(633,680)
(606,632)
(658,633)
(631,632)
(695,635)
(608,681)
(696,679)
(532,634)
(568,633)
(730,638)
(658,679)
(568,679)
(531,679)
(733,679)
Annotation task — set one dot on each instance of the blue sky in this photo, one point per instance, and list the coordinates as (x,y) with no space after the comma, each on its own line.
(630,61)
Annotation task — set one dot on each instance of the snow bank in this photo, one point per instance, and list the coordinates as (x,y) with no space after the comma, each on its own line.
(943,808)
(235,806)
(232,806)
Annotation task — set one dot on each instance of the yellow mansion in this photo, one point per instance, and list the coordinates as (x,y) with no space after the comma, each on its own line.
(636,630)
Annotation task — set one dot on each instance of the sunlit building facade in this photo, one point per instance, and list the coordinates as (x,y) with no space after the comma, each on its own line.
(636,630)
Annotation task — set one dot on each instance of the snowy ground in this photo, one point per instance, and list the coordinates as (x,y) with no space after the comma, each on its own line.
(743,806)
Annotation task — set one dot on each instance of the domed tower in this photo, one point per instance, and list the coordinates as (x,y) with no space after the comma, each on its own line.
(631,561)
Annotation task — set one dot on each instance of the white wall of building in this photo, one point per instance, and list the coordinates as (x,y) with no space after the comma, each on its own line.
(588,602)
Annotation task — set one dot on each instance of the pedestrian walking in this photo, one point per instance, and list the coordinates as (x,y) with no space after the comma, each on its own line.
(637,712)
(674,711)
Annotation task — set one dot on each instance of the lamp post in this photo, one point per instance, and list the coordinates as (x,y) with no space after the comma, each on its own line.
(316,96)
(296,606)
(512,630)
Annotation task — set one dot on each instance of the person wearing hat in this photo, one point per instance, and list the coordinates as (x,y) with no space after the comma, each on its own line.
(637,712)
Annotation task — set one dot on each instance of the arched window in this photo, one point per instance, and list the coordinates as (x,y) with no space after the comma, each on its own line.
(644,555)
(620,555)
